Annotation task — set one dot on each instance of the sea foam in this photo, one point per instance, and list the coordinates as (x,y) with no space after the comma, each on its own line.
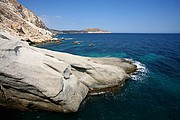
(142,70)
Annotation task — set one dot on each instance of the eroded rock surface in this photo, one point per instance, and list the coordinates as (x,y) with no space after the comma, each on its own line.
(34,78)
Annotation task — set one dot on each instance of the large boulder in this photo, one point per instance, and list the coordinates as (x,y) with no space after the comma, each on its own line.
(35,78)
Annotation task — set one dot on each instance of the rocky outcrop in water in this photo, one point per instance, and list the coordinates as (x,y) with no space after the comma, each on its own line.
(33,78)
(21,22)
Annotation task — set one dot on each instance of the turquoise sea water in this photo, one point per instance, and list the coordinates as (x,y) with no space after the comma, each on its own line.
(152,94)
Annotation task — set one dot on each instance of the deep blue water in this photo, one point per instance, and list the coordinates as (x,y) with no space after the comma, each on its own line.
(152,94)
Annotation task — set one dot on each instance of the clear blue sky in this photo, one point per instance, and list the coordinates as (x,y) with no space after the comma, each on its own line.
(122,16)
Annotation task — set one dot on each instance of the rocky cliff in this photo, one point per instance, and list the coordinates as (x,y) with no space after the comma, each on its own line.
(21,22)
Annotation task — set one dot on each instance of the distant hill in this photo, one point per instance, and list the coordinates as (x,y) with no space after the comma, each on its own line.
(66,31)
(95,30)
(88,30)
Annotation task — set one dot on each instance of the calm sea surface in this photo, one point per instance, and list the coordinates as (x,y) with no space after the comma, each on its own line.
(152,94)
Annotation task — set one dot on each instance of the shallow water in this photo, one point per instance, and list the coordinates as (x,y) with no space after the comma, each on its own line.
(152,94)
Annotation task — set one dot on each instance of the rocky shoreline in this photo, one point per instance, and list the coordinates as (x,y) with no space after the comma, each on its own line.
(33,78)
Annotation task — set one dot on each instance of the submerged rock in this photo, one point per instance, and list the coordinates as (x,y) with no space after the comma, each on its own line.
(33,78)
(76,43)
(91,45)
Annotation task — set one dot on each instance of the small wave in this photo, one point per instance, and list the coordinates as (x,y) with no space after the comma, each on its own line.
(142,70)
(97,93)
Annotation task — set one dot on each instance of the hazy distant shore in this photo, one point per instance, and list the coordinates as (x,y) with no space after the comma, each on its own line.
(85,31)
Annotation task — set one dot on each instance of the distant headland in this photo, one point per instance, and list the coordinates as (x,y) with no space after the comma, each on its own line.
(87,30)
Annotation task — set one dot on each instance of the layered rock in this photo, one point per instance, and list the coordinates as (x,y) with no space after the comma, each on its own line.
(21,22)
(34,78)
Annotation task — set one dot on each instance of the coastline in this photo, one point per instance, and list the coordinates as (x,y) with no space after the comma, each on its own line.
(33,78)
(81,71)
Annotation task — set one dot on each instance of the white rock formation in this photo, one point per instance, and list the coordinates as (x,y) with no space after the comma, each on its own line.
(34,78)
